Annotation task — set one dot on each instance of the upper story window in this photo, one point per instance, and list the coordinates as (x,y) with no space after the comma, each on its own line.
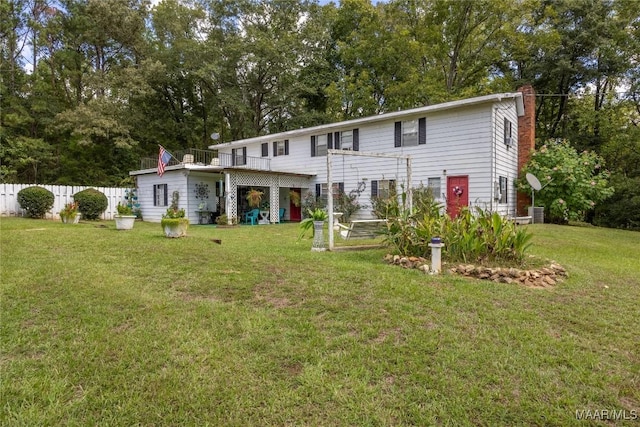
(346,140)
(281,148)
(319,145)
(410,133)
(508,132)
(265,149)
(239,156)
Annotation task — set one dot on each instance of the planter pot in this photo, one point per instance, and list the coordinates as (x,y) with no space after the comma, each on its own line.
(175,227)
(318,237)
(125,222)
(70,220)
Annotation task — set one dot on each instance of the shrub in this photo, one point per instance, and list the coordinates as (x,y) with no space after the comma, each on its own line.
(573,183)
(346,203)
(37,201)
(91,203)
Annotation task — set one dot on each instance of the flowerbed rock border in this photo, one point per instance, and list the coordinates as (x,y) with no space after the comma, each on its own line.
(538,278)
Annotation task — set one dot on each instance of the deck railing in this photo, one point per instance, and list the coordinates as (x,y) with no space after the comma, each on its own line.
(209,157)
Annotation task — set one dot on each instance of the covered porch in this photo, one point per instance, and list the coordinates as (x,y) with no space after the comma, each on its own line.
(276,204)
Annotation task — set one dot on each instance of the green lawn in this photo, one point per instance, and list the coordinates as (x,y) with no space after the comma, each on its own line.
(106,327)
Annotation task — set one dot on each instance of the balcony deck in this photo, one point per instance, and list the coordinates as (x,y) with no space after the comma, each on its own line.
(193,156)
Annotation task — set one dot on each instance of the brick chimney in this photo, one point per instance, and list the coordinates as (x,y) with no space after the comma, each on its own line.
(526,141)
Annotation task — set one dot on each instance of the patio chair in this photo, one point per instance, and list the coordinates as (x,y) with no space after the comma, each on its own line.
(281,214)
(252,216)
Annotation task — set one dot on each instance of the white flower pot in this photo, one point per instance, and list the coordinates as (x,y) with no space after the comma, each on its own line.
(125,222)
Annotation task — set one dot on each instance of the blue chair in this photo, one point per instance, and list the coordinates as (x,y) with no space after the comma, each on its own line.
(252,216)
(281,214)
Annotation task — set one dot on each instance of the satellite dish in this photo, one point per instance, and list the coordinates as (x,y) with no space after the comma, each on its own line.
(215,136)
(533,182)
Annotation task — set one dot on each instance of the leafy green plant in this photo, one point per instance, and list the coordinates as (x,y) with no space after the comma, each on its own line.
(91,203)
(69,212)
(124,209)
(225,220)
(573,183)
(37,201)
(622,209)
(346,203)
(482,236)
(312,216)
(310,202)
(477,235)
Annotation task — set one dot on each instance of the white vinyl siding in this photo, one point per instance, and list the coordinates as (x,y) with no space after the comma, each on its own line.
(466,140)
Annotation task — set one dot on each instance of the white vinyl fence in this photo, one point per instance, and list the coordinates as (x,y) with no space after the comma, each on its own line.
(9,205)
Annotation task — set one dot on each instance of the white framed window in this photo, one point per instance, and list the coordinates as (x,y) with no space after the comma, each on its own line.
(239,156)
(383,188)
(508,132)
(346,140)
(160,196)
(503,189)
(409,133)
(281,148)
(322,190)
(319,145)
(434,185)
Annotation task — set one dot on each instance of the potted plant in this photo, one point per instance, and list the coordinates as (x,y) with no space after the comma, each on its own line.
(295,198)
(125,217)
(315,218)
(254,197)
(70,214)
(174,223)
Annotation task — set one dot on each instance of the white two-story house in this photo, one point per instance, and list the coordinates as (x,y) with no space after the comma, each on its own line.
(468,152)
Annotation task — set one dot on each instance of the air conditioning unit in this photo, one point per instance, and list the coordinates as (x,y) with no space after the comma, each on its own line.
(508,141)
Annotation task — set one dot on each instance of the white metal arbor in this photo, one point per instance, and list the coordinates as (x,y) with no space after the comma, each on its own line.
(332,152)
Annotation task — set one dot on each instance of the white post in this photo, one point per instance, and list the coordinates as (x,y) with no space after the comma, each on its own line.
(436,255)
(330,199)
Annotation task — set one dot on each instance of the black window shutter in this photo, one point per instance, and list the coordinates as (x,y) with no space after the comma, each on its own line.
(422,131)
(155,195)
(233,157)
(286,147)
(166,195)
(275,149)
(329,140)
(397,142)
(341,187)
(356,140)
(265,150)
(374,188)
(313,146)
(392,185)
(244,155)
(336,139)
(505,123)
(318,190)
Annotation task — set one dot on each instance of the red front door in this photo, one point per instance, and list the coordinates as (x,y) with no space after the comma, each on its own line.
(295,213)
(457,194)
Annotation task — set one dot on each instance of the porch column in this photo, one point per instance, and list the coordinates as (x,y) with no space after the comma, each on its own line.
(274,199)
